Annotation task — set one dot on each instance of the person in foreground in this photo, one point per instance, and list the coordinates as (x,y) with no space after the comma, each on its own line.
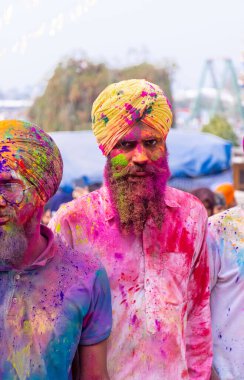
(227,295)
(150,238)
(53,301)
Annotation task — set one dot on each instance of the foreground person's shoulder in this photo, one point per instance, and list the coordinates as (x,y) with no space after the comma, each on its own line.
(227,220)
(181,198)
(77,207)
(83,261)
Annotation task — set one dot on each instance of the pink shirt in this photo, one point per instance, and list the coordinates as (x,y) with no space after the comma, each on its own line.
(159,283)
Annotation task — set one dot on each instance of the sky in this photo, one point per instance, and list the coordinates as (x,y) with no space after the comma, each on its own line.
(37,34)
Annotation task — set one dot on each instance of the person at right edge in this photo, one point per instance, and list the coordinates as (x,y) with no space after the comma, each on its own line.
(226,232)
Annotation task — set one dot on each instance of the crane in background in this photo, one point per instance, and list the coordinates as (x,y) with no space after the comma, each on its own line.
(227,84)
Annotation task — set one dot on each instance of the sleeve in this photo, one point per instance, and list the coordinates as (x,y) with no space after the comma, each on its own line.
(198,330)
(97,323)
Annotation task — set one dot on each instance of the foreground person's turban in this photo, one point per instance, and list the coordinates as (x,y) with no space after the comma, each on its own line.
(27,149)
(122,104)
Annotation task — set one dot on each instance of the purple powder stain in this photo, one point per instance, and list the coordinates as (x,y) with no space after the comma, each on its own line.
(118,255)
(3,165)
(4,148)
(61,296)
(153,94)
(134,319)
(158,325)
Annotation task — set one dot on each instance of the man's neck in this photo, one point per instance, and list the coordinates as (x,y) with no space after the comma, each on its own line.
(36,242)
(36,245)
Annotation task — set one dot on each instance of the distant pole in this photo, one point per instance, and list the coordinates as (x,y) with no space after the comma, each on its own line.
(208,68)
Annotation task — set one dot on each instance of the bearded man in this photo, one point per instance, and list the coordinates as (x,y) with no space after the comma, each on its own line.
(53,301)
(150,238)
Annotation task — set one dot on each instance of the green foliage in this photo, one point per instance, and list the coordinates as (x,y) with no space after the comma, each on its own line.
(158,75)
(67,100)
(219,126)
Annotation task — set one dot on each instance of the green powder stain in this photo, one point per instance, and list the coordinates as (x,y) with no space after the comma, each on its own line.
(8,134)
(58,229)
(148,110)
(119,160)
(105,119)
(122,205)
(156,156)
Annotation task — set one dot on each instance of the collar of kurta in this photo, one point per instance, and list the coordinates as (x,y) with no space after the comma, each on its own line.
(42,259)
(109,212)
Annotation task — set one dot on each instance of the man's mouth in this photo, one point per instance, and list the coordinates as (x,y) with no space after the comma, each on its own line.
(140,174)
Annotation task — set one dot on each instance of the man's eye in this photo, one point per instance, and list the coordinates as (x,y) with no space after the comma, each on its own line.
(150,143)
(127,144)
(12,186)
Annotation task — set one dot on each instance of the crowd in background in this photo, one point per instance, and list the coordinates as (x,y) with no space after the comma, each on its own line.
(67,193)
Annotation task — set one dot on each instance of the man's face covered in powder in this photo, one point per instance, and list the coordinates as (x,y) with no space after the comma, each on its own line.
(18,204)
(136,174)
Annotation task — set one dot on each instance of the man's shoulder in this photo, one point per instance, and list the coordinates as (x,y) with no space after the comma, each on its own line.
(178,198)
(81,264)
(227,220)
(79,207)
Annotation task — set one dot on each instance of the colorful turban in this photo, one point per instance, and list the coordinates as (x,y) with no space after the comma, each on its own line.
(122,104)
(30,151)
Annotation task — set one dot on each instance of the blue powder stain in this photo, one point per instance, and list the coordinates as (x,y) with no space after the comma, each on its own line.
(4,148)
(61,296)
(240,261)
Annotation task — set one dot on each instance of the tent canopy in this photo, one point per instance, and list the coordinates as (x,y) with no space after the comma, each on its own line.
(191,155)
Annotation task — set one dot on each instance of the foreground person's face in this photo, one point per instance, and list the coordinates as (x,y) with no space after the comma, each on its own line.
(139,154)
(18,199)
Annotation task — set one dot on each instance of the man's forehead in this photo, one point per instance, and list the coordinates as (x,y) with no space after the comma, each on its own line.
(141,131)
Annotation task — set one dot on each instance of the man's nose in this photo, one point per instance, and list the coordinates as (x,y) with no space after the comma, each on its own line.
(140,156)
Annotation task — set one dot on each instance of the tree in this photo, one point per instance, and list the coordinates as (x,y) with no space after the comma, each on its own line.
(219,126)
(67,100)
(158,75)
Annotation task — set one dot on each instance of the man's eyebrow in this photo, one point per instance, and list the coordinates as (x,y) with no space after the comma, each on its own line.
(125,139)
(152,138)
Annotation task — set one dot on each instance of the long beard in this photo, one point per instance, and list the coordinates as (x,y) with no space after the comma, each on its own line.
(134,201)
(13,245)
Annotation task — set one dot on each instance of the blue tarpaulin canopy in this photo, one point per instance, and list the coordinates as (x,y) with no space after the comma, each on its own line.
(192,156)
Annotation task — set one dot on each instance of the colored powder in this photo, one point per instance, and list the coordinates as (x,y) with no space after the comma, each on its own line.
(119,160)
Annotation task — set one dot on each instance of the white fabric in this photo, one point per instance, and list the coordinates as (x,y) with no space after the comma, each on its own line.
(227,297)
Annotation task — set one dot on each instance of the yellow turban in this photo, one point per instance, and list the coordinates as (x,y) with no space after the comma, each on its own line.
(27,149)
(122,104)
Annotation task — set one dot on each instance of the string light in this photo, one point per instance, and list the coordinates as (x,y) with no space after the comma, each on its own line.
(50,28)
(7,16)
